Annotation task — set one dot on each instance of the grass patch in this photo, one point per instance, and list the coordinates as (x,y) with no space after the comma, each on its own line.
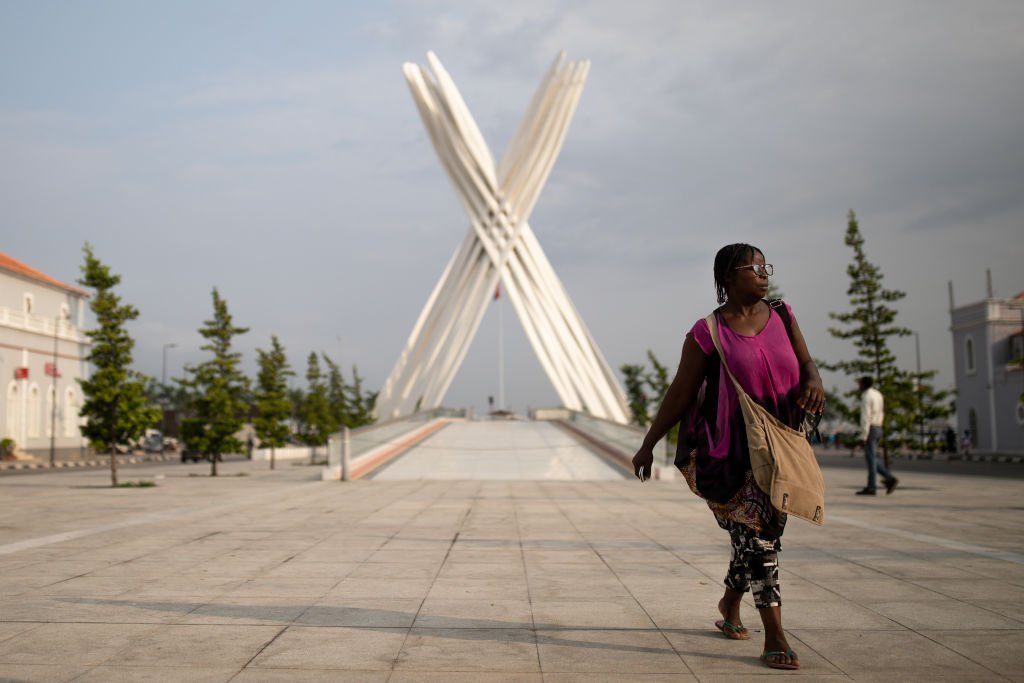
(135,484)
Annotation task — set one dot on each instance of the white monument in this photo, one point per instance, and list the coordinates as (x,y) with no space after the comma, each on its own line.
(499,247)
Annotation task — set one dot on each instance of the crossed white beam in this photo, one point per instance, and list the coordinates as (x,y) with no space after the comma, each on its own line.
(499,246)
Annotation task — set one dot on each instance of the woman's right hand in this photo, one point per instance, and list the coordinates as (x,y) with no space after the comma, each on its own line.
(644,458)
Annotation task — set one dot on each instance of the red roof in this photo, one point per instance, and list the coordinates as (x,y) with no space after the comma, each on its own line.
(15,266)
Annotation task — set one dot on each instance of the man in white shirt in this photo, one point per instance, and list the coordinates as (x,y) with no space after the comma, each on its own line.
(872,414)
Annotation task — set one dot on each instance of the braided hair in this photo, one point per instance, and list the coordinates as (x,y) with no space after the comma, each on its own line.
(727,259)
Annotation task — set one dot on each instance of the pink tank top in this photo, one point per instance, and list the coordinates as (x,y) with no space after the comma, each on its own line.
(765,366)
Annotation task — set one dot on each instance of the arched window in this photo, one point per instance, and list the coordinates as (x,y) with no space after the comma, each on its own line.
(29,304)
(33,411)
(13,412)
(48,415)
(969,365)
(70,412)
(65,312)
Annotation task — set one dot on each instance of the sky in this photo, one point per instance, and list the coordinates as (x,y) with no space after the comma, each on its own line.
(272,150)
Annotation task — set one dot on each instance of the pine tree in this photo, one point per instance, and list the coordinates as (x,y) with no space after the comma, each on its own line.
(337,393)
(272,405)
(361,405)
(634,377)
(930,405)
(870,325)
(316,411)
(116,406)
(218,390)
(297,397)
(659,382)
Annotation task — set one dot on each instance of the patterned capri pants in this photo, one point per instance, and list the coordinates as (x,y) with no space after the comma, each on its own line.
(754,565)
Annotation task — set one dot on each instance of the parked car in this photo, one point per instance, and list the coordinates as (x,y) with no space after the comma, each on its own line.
(153,443)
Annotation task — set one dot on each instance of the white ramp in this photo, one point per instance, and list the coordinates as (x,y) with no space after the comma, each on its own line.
(501,451)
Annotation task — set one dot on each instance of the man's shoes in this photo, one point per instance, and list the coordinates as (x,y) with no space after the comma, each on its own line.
(891,484)
(866,492)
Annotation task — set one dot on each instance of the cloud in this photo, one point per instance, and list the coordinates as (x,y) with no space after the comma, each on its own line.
(294,173)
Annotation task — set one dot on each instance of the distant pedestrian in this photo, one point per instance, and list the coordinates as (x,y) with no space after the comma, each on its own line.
(965,443)
(872,414)
(950,440)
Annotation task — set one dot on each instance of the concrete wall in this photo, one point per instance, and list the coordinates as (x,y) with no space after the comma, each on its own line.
(289,453)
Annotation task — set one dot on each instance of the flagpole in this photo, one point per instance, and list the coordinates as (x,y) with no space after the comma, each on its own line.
(501,351)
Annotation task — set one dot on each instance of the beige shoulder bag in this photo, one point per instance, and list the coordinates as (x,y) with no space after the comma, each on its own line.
(781,458)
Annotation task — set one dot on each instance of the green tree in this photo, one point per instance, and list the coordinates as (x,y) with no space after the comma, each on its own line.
(316,410)
(658,380)
(116,406)
(870,326)
(337,393)
(361,404)
(297,397)
(635,378)
(931,405)
(273,408)
(153,390)
(836,408)
(218,389)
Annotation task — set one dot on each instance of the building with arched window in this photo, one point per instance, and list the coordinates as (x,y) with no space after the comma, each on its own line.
(988,352)
(42,355)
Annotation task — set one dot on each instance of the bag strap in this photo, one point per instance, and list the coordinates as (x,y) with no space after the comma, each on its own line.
(810,421)
(779,306)
(712,323)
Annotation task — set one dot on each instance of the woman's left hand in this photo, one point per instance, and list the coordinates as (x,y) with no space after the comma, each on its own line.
(812,396)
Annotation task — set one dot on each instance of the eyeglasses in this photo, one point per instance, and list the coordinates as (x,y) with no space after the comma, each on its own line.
(760,269)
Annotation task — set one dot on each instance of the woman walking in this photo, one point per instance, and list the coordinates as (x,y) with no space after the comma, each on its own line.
(765,350)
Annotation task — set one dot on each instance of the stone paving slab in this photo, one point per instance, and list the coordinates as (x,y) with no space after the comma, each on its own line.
(278,576)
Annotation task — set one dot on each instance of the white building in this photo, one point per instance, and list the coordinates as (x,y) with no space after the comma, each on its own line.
(987,346)
(42,355)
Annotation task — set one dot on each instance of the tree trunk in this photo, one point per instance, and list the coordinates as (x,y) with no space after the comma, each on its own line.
(272,457)
(213,464)
(113,465)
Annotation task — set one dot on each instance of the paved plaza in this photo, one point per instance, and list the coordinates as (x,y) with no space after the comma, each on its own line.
(277,576)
